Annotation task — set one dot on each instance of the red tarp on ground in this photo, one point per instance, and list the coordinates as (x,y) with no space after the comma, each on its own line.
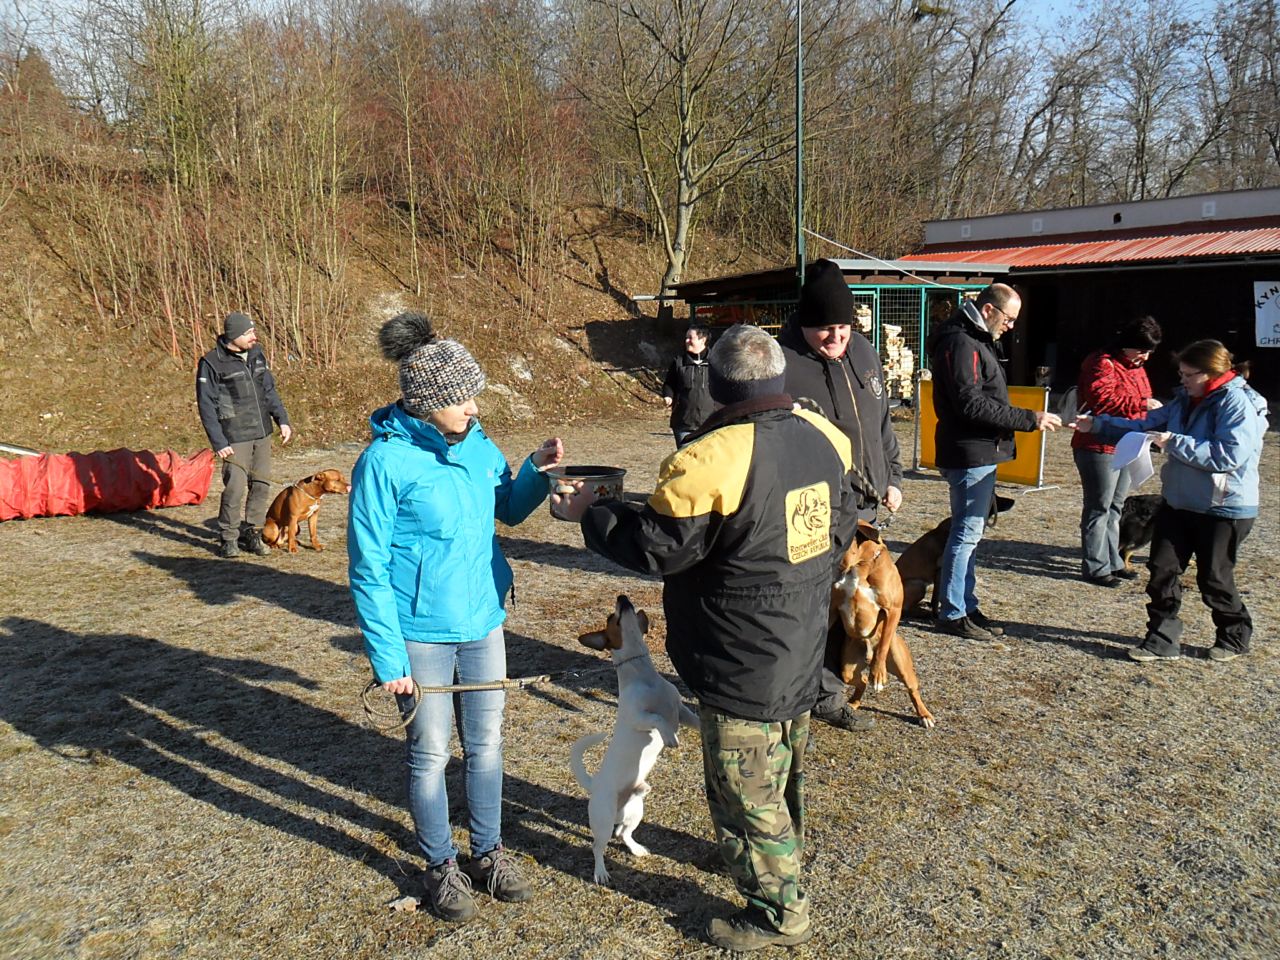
(64,484)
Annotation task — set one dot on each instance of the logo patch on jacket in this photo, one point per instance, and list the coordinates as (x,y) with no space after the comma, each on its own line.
(877,388)
(808,522)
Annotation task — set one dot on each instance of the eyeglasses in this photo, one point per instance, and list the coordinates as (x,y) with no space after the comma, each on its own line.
(1010,319)
(1191,374)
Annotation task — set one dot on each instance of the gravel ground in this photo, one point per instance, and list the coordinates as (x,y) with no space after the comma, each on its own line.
(185,771)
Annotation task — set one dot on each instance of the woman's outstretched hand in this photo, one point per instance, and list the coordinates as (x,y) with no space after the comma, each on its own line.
(549,454)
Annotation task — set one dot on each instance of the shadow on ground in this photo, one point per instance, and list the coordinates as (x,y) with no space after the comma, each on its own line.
(216,729)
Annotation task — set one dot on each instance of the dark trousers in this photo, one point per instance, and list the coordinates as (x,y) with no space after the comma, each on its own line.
(248,469)
(1214,542)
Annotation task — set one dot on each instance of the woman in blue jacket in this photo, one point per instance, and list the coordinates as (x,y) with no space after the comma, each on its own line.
(429,584)
(1211,434)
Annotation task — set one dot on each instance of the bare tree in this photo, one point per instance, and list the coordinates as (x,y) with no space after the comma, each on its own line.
(702,88)
(1240,85)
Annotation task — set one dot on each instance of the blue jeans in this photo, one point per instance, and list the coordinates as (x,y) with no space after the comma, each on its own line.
(1103,490)
(438,665)
(971,490)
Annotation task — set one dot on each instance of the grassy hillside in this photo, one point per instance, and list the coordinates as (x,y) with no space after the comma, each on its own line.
(589,351)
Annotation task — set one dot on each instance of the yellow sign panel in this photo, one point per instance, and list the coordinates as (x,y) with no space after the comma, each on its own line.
(808,522)
(1027,467)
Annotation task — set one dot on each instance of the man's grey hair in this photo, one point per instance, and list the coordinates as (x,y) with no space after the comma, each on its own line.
(744,353)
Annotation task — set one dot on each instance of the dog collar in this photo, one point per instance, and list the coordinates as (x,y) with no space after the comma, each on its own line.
(636,656)
(298,485)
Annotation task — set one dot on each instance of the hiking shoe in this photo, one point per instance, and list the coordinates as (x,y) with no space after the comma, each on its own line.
(1126,574)
(749,930)
(1222,654)
(846,718)
(965,628)
(1110,580)
(496,871)
(449,892)
(253,543)
(1143,655)
(985,623)
(229,550)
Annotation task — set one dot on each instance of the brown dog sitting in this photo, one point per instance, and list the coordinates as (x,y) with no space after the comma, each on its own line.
(298,502)
(920,566)
(868,600)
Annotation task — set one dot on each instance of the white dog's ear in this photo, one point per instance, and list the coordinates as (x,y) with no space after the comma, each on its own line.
(595,641)
(642,618)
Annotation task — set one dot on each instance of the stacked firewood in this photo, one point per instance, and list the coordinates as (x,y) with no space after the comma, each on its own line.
(899,362)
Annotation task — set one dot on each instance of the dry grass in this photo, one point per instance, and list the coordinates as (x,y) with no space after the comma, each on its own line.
(184,771)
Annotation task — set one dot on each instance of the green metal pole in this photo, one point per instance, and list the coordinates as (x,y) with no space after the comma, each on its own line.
(799,143)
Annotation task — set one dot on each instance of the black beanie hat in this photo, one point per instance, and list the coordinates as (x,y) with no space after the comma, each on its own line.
(825,298)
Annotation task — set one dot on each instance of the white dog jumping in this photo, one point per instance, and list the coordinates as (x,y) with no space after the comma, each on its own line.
(649,713)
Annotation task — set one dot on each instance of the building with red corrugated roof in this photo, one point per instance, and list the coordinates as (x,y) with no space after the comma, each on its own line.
(1201,265)
(1197,264)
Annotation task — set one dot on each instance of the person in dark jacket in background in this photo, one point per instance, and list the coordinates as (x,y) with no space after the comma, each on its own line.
(237,398)
(742,528)
(1112,382)
(976,424)
(685,389)
(834,366)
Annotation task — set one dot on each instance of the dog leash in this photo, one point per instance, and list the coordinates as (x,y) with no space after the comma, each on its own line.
(385,720)
(254,475)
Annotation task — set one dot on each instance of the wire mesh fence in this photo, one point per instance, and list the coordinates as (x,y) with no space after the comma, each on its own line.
(896,318)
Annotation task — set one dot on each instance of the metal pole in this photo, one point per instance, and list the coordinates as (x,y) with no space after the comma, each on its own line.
(799,143)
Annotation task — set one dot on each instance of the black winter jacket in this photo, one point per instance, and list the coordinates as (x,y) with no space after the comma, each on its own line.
(976,423)
(742,528)
(852,395)
(688,386)
(237,397)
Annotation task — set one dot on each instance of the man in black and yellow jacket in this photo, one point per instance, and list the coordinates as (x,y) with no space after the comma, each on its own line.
(744,527)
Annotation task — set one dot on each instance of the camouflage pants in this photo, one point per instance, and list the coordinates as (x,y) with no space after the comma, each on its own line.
(755,788)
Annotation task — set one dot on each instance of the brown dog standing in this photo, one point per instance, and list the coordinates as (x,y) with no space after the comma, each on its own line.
(298,502)
(920,566)
(868,600)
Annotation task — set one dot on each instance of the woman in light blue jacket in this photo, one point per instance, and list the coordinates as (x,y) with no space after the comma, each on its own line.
(1212,435)
(429,584)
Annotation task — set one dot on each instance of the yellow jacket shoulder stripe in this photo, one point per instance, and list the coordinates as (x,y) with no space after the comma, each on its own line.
(832,433)
(708,476)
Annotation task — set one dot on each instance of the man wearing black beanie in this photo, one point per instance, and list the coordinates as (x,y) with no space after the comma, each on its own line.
(835,367)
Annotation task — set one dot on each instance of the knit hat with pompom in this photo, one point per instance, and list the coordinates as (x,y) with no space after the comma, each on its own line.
(434,373)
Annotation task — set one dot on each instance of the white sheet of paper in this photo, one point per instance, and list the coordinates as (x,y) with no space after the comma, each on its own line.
(1133,453)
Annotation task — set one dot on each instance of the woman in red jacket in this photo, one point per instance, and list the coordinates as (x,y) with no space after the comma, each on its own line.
(1112,381)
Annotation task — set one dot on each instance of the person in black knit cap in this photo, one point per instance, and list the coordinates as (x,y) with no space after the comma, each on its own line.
(835,368)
